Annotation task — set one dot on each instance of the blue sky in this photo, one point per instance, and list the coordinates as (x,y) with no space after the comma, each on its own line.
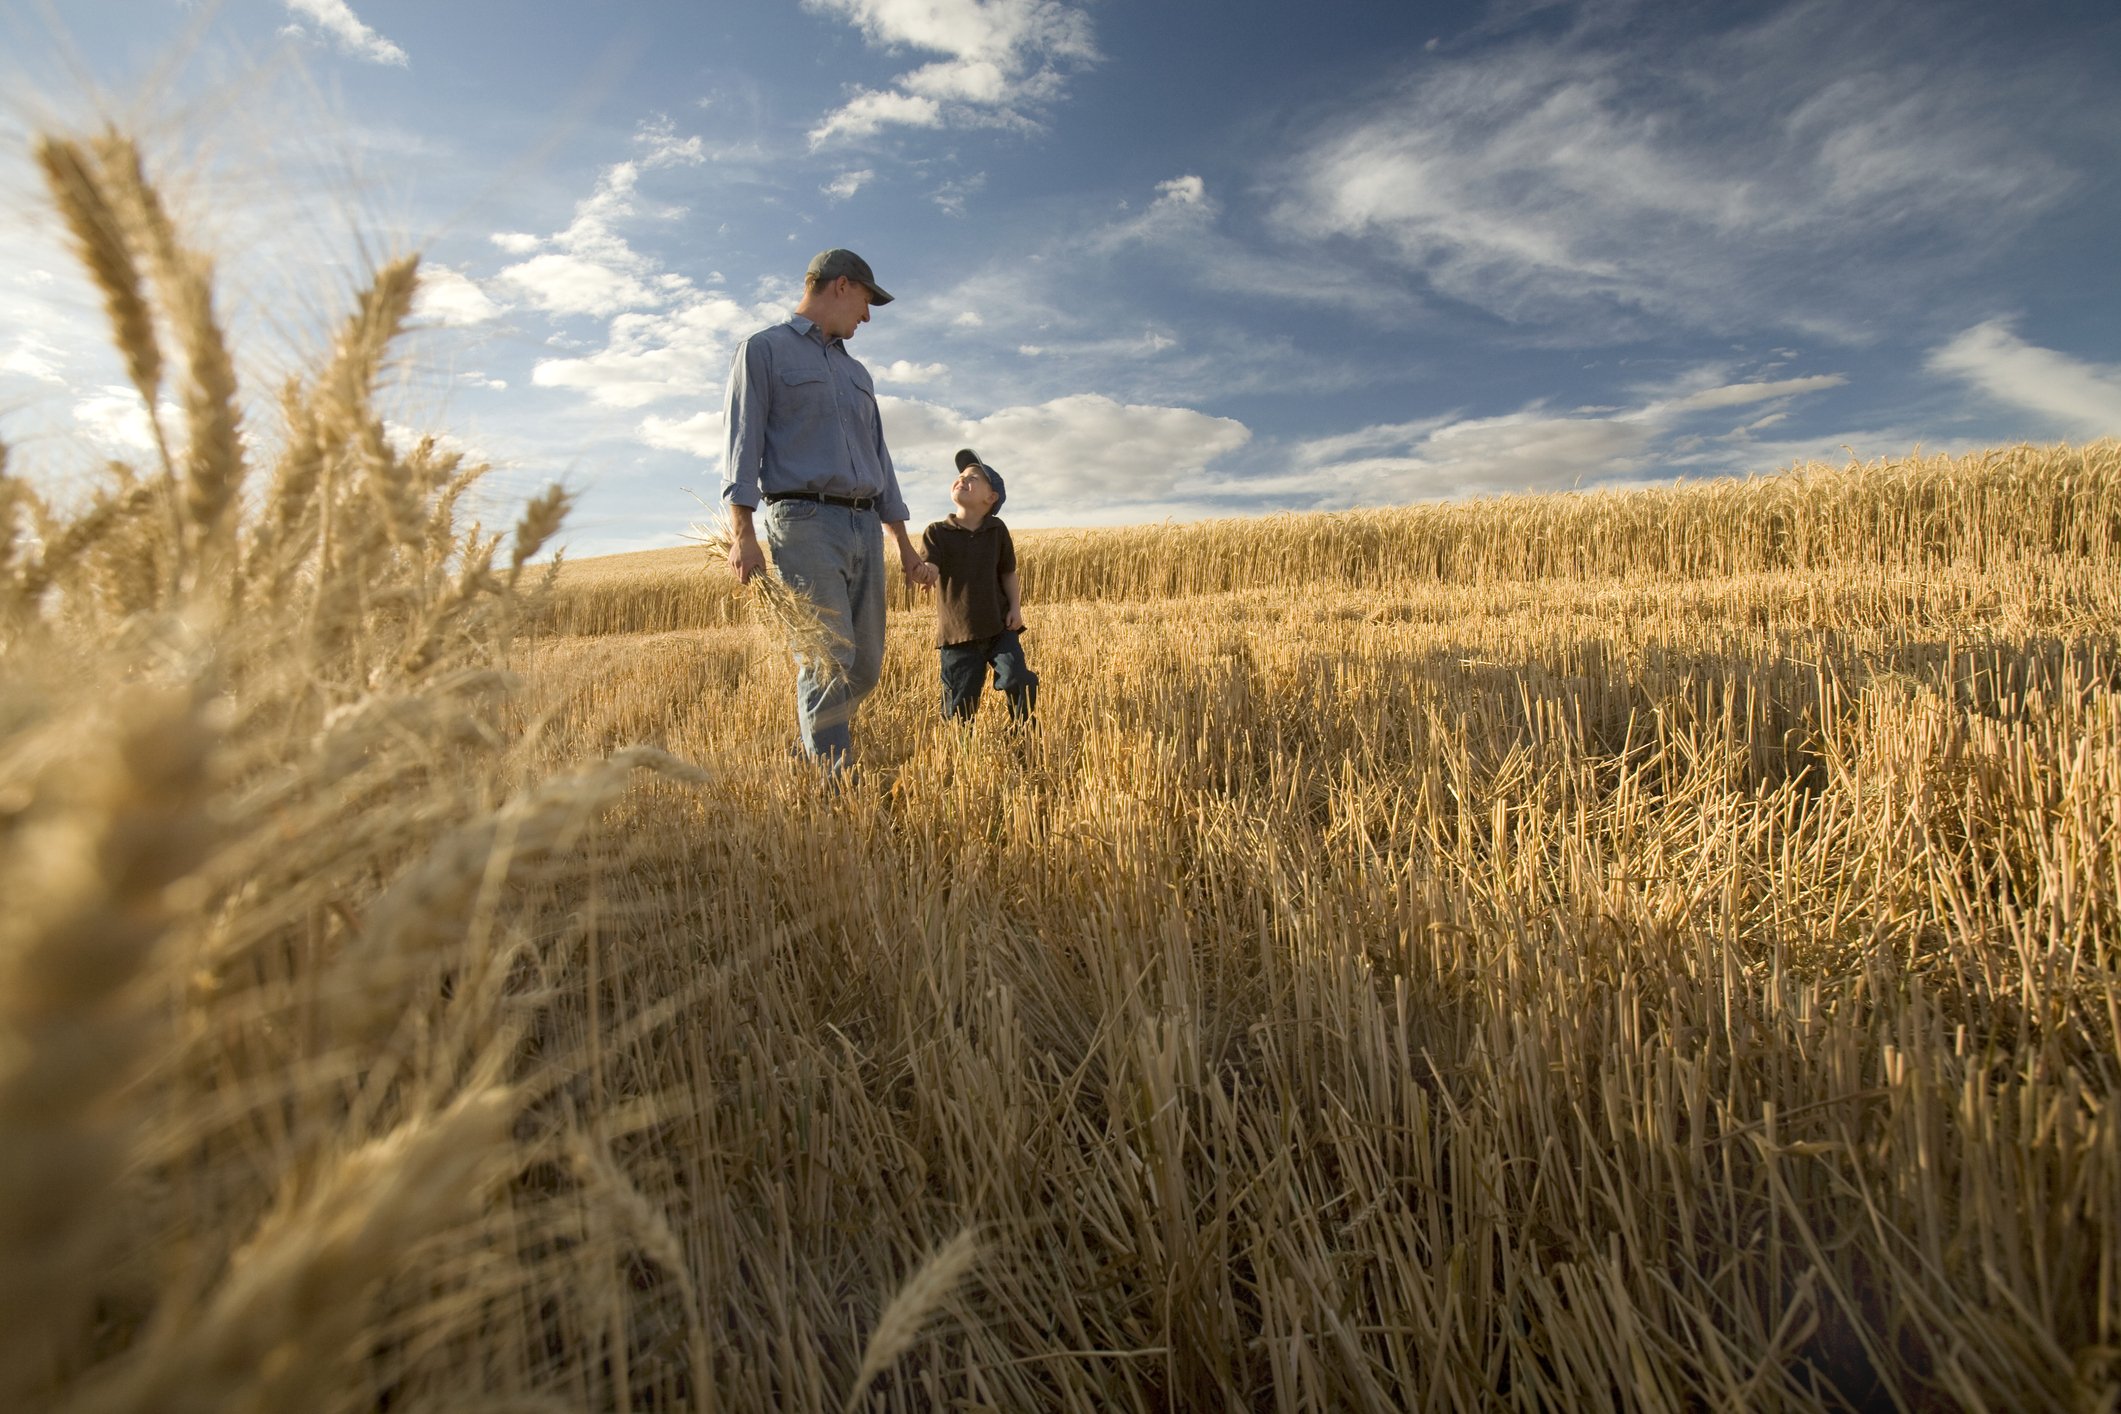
(1154,260)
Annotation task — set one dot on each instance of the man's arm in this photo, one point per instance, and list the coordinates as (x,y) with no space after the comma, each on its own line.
(918,571)
(745,557)
(744,417)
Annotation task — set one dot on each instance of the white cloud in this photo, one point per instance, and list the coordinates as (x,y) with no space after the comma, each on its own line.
(516,242)
(1182,191)
(1067,457)
(951,195)
(846,184)
(701,435)
(664,148)
(2085,397)
(573,284)
(1004,57)
(591,268)
(967,319)
(902,371)
(1735,175)
(1182,210)
(337,19)
(447,296)
(403,439)
(681,353)
(872,110)
(1744,394)
(116,419)
(30,359)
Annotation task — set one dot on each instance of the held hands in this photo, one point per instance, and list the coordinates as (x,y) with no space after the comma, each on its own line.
(919,573)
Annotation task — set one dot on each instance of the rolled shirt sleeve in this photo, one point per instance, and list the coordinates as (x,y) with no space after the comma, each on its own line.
(744,422)
(890,505)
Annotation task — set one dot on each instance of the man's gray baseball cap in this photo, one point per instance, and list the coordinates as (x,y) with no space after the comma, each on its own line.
(829,265)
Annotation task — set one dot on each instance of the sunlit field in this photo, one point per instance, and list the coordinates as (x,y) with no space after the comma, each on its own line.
(1648,949)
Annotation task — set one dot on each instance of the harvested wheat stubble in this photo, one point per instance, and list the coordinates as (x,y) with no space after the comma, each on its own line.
(1637,951)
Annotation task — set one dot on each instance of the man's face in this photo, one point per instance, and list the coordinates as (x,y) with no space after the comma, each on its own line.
(844,309)
(970,492)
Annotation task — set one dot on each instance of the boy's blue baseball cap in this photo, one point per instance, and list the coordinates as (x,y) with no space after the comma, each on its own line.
(967,457)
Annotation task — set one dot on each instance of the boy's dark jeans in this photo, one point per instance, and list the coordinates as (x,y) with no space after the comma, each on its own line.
(965,676)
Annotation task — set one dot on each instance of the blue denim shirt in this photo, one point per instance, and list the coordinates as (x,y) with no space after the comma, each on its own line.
(801,415)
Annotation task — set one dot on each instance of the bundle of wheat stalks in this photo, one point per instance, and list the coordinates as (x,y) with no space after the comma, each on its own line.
(1531,973)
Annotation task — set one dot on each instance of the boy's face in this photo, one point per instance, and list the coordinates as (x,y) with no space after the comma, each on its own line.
(970,492)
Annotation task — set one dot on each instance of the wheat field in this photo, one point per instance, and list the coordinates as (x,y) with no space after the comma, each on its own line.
(1645,950)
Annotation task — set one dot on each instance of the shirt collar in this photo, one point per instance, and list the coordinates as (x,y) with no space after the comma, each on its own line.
(807,327)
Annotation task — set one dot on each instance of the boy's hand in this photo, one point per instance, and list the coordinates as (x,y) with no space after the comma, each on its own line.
(1014,620)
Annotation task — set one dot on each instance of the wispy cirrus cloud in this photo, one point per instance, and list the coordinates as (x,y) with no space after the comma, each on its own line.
(1769,171)
(1004,60)
(336,20)
(1537,448)
(2084,398)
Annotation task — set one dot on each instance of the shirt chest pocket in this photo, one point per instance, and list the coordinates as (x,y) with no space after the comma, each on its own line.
(862,404)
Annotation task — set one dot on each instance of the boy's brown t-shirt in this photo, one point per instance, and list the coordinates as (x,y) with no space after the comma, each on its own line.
(970,602)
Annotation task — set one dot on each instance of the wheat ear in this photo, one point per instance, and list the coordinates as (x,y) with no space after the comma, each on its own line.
(100,239)
(278,1330)
(87,881)
(541,521)
(909,1308)
(214,452)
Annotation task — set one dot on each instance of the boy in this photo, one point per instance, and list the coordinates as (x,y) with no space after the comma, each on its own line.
(979,620)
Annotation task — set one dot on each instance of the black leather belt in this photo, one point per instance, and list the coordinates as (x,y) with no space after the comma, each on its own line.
(852,503)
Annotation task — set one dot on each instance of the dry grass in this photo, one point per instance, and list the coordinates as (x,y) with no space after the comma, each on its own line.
(1643,951)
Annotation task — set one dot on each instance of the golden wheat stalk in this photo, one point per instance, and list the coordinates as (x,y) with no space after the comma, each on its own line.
(214,455)
(781,605)
(104,244)
(909,1308)
(88,878)
(282,1326)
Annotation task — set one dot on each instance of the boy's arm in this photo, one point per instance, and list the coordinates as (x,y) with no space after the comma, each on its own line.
(1015,592)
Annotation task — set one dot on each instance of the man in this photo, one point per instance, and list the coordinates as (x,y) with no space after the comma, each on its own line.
(805,439)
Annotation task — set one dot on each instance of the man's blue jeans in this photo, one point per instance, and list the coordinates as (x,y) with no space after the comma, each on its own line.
(835,556)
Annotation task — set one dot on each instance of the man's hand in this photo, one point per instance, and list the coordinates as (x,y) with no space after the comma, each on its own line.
(745,557)
(919,573)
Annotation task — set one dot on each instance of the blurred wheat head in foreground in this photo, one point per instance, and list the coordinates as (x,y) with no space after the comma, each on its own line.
(261,841)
